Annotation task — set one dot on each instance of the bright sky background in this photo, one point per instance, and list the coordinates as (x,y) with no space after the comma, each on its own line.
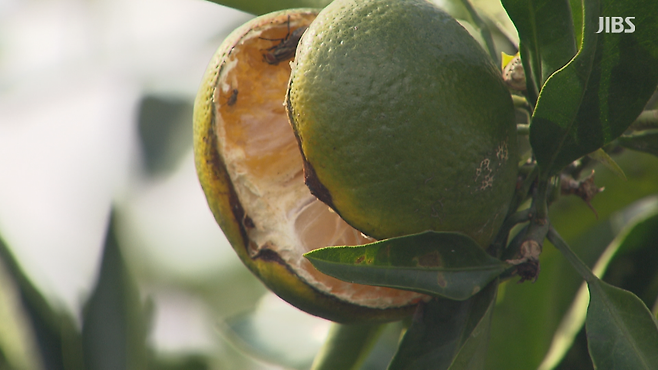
(72,73)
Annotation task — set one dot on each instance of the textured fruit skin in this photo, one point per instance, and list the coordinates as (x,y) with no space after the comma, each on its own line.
(403,120)
(229,214)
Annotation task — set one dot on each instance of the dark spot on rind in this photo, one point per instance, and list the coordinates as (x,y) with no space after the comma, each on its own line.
(219,171)
(310,178)
(360,259)
(315,186)
(233,98)
(248,222)
(286,48)
(267,253)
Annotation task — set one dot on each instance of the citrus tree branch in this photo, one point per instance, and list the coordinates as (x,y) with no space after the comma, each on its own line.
(563,247)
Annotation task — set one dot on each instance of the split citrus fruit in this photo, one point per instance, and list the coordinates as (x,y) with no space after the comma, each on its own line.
(404,125)
(250,168)
(404,122)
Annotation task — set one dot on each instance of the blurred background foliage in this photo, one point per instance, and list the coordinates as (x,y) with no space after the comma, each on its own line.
(110,258)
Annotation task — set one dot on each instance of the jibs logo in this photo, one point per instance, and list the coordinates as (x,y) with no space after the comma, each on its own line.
(616,25)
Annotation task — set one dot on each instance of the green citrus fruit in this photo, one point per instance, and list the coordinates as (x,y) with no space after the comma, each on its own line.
(404,121)
(250,168)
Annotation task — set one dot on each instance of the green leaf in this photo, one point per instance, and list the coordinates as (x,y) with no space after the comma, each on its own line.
(595,98)
(603,158)
(42,336)
(450,265)
(473,354)
(447,334)
(347,346)
(633,266)
(18,340)
(643,141)
(577,17)
(639,231)
(621,332)
(114,323)
(163,132)
(259,7)
(546,36)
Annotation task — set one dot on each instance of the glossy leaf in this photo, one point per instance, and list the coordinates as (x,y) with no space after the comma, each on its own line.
(451,265)
(447,334)
(473,354)
(546,36)
(593,99)
(640,222)
(259,7)
(621,332)
(602,157)
(577,17)
(643,141)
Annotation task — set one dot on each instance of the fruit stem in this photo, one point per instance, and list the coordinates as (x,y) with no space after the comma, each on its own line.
(526,169)
(513,217)
(521,193)
(539,202)
(347,346)
(511,221)
(520,102)
(522,129)
(530,248)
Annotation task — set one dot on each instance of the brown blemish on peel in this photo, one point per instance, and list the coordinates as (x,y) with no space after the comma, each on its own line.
(484,174)
(487,174)
(315,186)
(502,153)
(248,222)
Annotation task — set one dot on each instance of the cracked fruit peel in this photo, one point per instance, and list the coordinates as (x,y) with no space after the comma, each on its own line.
(250,168)
(404,121)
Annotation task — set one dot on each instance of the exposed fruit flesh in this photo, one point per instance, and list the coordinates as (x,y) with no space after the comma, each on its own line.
(265,167)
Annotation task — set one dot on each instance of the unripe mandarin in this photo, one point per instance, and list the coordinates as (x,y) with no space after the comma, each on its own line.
(404,121)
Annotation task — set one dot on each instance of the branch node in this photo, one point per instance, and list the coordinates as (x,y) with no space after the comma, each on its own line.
(527,265)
